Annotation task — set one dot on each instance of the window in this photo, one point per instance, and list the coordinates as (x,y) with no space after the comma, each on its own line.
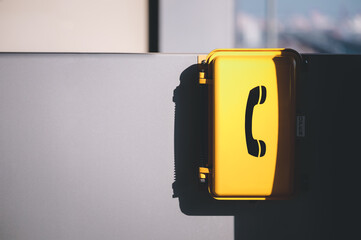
(312,26)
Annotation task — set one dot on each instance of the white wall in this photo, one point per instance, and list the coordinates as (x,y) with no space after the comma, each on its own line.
(74,25)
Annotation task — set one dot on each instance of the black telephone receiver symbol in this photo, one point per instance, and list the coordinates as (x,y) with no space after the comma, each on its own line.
(256,96)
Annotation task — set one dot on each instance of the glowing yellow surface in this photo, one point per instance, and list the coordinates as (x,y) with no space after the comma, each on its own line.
(235,173)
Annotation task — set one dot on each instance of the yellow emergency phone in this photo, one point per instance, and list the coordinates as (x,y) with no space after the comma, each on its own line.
(251,122)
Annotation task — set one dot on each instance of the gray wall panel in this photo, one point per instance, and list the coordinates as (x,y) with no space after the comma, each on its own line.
(86,149)
(196,26)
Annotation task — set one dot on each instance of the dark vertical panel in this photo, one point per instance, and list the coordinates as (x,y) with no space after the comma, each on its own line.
(153,15)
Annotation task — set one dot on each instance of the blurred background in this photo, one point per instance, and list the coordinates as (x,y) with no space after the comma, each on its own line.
(316,26)
(170,26)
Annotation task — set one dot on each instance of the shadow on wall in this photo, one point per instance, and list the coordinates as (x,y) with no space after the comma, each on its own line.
(308,215)
(190,148)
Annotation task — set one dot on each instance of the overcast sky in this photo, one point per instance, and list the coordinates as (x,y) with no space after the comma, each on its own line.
(285,8)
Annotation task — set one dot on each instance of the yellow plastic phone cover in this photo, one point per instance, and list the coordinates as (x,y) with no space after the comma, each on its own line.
(252,123)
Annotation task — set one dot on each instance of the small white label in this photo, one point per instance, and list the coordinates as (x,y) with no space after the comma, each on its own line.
(301,126)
